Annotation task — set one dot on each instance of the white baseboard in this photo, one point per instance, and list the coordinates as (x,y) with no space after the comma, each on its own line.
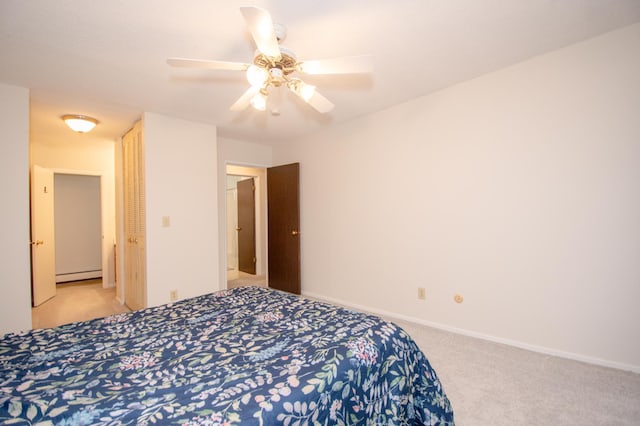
(78,276)
(515,343)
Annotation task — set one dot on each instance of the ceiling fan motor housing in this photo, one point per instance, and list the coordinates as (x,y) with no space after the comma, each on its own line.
(286,63)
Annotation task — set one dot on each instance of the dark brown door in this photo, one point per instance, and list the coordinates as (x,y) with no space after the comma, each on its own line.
(284,224)
(246,226)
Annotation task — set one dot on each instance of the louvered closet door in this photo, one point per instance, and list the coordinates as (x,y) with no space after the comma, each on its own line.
(134,212)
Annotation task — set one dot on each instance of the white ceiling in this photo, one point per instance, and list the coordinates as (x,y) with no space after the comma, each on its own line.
(106,58)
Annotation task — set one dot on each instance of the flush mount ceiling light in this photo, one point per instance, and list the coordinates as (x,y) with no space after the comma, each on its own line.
(80,123)
(273,65)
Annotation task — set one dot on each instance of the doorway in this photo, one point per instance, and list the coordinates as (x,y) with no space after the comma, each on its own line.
(277,230)
(65,258)
(241,224)
(239,235)
(78,233)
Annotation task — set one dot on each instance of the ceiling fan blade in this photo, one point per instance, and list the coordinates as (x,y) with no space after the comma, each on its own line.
(320,103)
(344,65)
(261,28)
(245,99)
(211,65)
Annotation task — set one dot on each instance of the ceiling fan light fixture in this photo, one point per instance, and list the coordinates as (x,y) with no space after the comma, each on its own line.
(302,89)
(259,100)
(306,91)
(80,123)
(257,76)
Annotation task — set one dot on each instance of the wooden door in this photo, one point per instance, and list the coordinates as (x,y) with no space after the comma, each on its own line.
(283,217)
(135,219)
(43,249)
(246,226)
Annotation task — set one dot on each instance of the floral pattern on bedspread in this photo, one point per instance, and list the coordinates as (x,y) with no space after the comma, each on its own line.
(244,356)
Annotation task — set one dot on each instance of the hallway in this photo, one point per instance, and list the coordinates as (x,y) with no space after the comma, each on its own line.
(77,301)
(237,278)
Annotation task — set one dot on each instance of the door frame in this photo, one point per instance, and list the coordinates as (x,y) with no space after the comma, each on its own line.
(105,253)
(79,276)
(259,174)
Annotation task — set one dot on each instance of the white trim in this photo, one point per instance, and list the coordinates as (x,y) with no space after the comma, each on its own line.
(61,171)
(248,165)
(514,343)
(78,276)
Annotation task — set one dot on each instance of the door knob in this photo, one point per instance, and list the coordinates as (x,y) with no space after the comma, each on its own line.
(238,229)
(294,233)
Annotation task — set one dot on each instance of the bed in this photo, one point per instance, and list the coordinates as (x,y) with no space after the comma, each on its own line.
(248,355)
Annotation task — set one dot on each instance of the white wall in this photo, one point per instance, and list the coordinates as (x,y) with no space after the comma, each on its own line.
(520,190)
(182,183)
(84,155)
(15,272)
(78,227)
(239,153)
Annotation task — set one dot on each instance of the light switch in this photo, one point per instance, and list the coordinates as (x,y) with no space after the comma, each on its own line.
(166,221)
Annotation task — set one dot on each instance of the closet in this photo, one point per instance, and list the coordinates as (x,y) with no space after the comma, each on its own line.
(135,292)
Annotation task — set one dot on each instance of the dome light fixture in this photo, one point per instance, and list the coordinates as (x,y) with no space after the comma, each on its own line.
(79,123)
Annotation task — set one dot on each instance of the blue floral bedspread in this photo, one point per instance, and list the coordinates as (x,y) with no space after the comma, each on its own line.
(244,356)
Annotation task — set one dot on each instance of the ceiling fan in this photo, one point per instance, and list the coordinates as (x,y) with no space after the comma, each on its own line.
(275,66)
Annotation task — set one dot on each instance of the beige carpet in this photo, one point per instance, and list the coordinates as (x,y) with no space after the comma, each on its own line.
(490,384)
(77,301)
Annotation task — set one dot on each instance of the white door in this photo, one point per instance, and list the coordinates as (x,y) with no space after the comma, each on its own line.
(43,253)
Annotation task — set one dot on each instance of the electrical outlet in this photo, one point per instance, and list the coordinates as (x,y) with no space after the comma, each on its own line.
(421,293)
(173,295)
